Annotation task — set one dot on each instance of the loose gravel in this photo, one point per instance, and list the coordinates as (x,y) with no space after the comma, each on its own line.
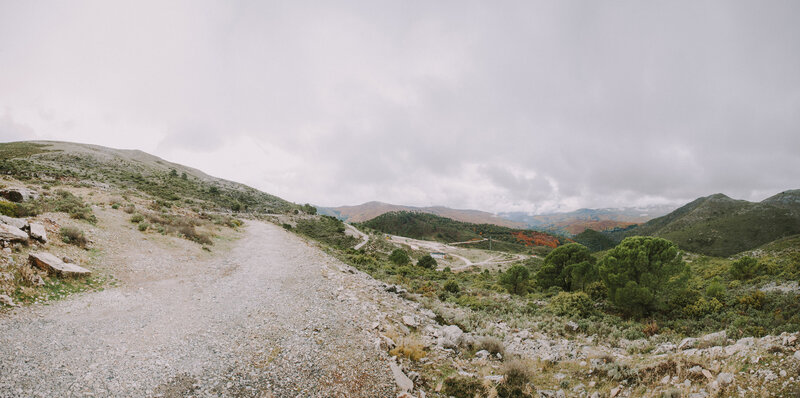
(269,318)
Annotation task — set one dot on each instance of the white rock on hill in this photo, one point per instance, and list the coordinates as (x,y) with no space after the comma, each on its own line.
(38,232)
(54,265)
(14,222)
(11,233)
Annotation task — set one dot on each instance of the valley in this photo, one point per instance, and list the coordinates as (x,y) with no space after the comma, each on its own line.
(199,286)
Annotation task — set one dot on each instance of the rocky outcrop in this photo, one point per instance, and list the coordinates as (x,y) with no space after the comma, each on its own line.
(12,234)
(18,194)
(449,336)
(37,231)
(14,222)
(54,265)
(403,382)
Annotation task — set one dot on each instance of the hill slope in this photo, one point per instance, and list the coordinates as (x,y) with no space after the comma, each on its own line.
(432,227)
(93,164)
(721,226)
(370,210)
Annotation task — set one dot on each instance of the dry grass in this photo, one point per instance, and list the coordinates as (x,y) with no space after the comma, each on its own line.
(409,347)
(492,344)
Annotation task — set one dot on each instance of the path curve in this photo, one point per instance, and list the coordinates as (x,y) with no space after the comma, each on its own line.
(266,319)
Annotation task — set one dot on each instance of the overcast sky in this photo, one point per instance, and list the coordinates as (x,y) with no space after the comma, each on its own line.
(499,106)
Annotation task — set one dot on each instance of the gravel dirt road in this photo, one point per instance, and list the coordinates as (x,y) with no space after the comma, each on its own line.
(266,318)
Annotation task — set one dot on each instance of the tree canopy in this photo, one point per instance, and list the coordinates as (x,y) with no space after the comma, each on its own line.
(643,274)
(570,267)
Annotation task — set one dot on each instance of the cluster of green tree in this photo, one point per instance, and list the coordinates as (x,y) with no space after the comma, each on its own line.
(326,229)
(400,257)
(426,226)
(594,240)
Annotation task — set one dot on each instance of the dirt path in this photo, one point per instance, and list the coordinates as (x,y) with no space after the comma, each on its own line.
(358,234)
(265,319)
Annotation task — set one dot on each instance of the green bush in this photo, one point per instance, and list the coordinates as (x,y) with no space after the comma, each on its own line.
(137,218)
(516,279)
(744,268)
(73,236)
(463,387)
(399,257)
(452,286)
(143,226)
(8,208)
(572,304)
(517,380)
(643,274)
(427,262)
(570,267)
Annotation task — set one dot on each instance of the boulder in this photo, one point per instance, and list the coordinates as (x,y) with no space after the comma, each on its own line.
(38,232)
(18,194)
(450,336)
(6,300)
(403,382)
(482,354)
(715,339)
(14,222)
(409,320)
(725,378)
(687,343)
(54,265)
(11,234)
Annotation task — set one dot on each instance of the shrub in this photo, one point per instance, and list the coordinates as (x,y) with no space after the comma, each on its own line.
(286,226)
(492,344)
(744,268)
(716,289)
(572,304)
(409,348)
(399,257)
(129,208)
(143,226)
(427,262)
(115,206)
(463,387)
(8,208)
(73,236)
(137,218)
(643,274)
(570,267)
(452,286)
(517,380)
(515,279)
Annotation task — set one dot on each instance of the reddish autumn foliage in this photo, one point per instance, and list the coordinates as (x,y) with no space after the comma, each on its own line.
(533,238)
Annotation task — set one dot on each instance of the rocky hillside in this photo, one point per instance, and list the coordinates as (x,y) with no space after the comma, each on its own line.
(720,226)
(63,162)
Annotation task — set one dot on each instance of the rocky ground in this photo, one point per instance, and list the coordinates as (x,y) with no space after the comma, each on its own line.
(271,316)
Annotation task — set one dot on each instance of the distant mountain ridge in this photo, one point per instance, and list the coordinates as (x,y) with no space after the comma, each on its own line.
(370,210)
(577,221)
(721,226)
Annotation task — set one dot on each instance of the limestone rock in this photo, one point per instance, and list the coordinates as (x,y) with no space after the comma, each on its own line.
(403,382)
(409,320)
(38,232)
(450,336)
(715,339)
(482,354)
(6,300)
(687,343)
(12,234)
(54,265)
(725,378)
(14,222)
(18,194)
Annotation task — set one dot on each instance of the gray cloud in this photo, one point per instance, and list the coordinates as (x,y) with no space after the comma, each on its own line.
(526,106)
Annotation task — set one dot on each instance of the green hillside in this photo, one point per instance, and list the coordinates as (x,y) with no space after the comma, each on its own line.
(720,226)
(91,164)
(425,226)
(596,241)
